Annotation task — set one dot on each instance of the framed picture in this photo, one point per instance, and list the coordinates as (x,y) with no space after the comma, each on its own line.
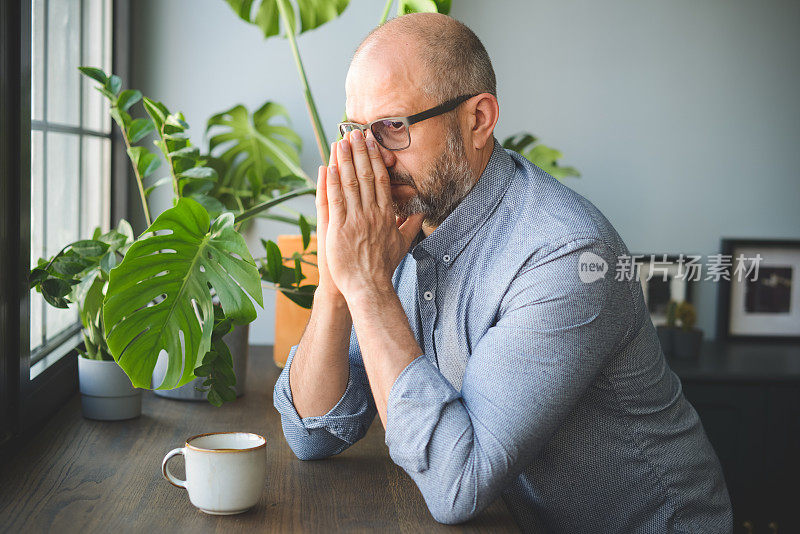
(761,299)
(666,277)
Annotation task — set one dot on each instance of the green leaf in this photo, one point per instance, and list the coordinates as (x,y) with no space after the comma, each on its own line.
(186,152)
(313,13)
(176,119)
(203,173)
(305,230)
(108,94)
(156,110)
(95,74)
(122,118)
(158,183)
(252,143)
(298,271)
(113,84)
(56,287)
(165,281)
(214,398)
(56,302)
(108,262)
(37,276)
(211,204)
(139,128)
(274,259)
(405,7)
(226,394)
(544,157)
(127,98)
(519,142)
(89,248)
(145,161)
(302,296)
(203,370)
(68,266)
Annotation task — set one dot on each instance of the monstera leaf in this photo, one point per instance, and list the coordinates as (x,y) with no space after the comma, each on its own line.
(404,7)
(253,144)
(313,13)
(160,296)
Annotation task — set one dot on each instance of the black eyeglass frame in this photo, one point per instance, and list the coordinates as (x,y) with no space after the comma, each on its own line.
(444,107)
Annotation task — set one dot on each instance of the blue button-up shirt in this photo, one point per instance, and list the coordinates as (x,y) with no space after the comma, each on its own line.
(541,380)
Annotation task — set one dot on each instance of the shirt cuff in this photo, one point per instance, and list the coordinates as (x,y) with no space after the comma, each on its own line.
(416,401)
(346,420)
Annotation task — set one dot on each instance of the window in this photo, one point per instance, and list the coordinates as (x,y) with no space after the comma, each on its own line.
(70,150)
(58,181)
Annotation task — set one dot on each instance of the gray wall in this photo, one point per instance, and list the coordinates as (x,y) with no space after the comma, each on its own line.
(682,116)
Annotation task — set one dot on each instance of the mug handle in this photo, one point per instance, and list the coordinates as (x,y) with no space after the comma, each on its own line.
(178,483)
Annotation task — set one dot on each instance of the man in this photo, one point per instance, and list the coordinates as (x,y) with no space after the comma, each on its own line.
(470,299)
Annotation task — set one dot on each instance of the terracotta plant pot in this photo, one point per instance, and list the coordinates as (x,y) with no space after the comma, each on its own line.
(106,391)
(291,319)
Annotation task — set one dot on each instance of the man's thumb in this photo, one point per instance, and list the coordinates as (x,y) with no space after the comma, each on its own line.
(411,227)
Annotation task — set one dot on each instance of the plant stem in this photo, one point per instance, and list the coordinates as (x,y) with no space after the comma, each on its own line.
(165,151)
(258,208)
(139,183)
(319,131)
(386,11)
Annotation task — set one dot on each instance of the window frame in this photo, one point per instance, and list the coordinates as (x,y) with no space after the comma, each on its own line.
(26,403)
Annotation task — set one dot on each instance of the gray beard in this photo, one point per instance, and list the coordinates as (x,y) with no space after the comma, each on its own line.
(450,179)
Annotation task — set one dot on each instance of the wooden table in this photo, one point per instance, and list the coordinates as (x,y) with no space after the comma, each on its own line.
(78,475)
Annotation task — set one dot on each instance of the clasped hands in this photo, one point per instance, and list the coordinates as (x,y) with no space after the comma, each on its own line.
(360,240)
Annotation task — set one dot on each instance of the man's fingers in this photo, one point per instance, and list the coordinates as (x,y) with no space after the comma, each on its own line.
(332,159)
(363,170)
(322,196)
(383,188)
(411,227)
(347,176)
(337,210)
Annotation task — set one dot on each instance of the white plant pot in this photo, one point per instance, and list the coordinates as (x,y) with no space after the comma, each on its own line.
(237,341)
(106,391)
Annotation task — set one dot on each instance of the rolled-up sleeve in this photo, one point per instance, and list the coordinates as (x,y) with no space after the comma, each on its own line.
(554,334)
(318,437)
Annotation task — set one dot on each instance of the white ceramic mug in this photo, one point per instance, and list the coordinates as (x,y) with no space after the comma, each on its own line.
(225,471)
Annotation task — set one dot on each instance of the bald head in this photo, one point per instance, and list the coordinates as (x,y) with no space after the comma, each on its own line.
(452,59)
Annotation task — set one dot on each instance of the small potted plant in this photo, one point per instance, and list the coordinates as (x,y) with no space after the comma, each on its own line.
(687,339)
(666,331)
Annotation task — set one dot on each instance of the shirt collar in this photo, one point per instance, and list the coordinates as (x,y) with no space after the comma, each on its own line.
(450,237)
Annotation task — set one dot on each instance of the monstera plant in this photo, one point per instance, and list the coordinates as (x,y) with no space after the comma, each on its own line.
(185,281)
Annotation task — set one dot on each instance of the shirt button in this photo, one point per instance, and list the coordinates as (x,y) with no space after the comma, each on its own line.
(427,295)
(446,258)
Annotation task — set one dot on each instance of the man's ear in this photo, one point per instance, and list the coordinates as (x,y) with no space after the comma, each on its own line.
(483,113)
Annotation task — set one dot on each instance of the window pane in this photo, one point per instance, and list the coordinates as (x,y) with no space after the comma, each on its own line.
(37,60)
(96,184)
(63,40)
(61,211)
(37,234)
(96,42)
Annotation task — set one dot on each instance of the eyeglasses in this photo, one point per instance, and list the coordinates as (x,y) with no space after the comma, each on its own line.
(393,132)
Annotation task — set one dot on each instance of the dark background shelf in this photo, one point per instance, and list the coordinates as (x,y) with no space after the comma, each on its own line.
(748,397)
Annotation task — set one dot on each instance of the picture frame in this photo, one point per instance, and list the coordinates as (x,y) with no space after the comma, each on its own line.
(661,280)
(766,305)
